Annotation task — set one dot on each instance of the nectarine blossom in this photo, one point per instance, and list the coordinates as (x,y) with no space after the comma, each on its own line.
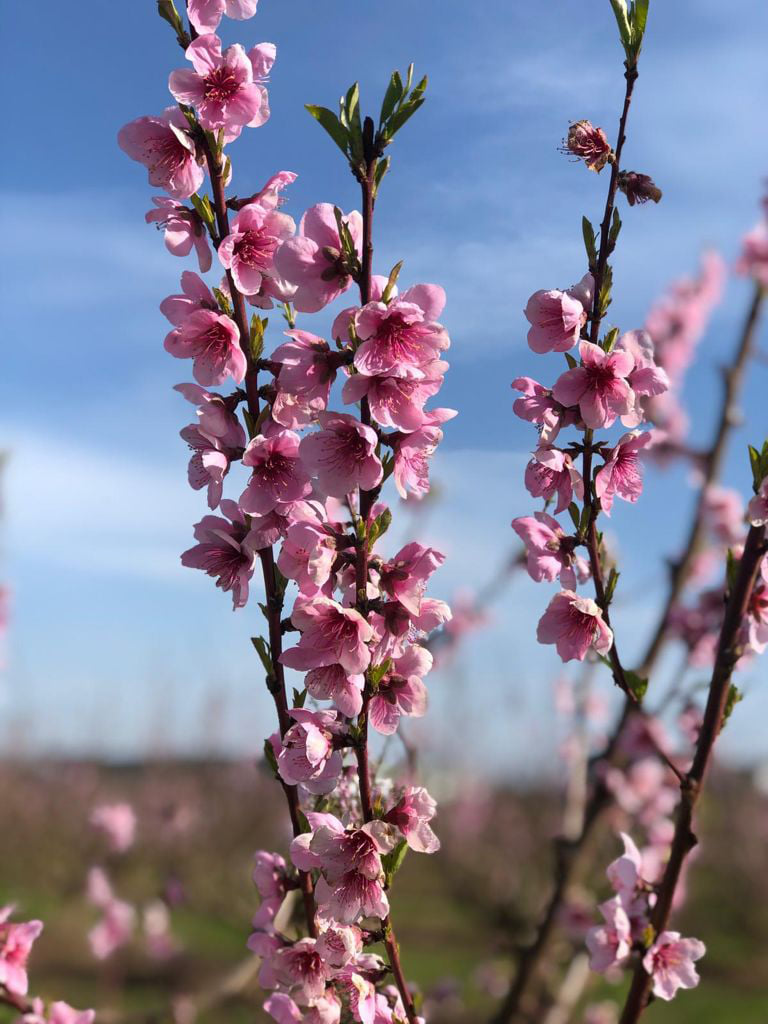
(164,145)
(225,88)
(575,625)
(670,961)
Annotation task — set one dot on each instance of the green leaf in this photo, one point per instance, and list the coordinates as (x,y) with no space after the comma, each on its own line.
(636,683)
(262,649)
(379,527)
(638,17)
(299,697)
(351,120)
(381,169)
(610,339)
(605,290)
(622,20)
(613,579)
(392,97)
(391,862)
(269,757)
(330,122)
(391,281)
(256,340)
(377,673)
(223,301)
(203,206)
(573,512)
(572,363)
(759,463)
(613,234)
(589,241)
(735,696)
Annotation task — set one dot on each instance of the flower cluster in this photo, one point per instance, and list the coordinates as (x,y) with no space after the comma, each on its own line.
(118,918)
(16,941)
(308,511)
(669,958)
(611,381)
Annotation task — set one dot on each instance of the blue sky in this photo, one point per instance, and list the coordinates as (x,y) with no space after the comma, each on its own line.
(114,647)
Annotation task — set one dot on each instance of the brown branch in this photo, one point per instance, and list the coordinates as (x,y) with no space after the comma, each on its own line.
(273,598)
(531,959)
(365,503)
(729,650)
(733,378)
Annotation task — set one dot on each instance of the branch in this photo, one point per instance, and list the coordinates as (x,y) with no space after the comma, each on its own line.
(273,598)
(733,378)
(365,503)
(729,650)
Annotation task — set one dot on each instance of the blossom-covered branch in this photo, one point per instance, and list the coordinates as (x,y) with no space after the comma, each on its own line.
(314,491)
(665,960)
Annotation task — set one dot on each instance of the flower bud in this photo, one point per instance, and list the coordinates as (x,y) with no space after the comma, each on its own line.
(638,188)
(589,144)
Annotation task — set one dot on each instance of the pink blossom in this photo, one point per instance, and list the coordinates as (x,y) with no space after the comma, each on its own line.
(610,943)
(182,229)
(58,1013)
(550,552)
(307,755)
(342,454)
(225,89)
(757,619)
(278,475)
(326,1010)
(205,15)
(551,472)
(413,452)
(210,460)
(412,815)
(753,261)
(395,401)
(307,371)
(339,943)
(404,577)
(351,884)
(307,556)
(723,514)
(16,941)
(215,418)
(599,386)
(401,691)
(313,261)
(670,962)
(334,684)
(677,321)
(574,624)
(165,147)
(118,823)
(620,475)
(624,873)
(225,551)
(113,931)
(556,320)
(757,509)
(330,635)
(195,295)
(248,250)
(538,406)
(212,341)
(402,339)
(647,379)
(269,877)
(301,970)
